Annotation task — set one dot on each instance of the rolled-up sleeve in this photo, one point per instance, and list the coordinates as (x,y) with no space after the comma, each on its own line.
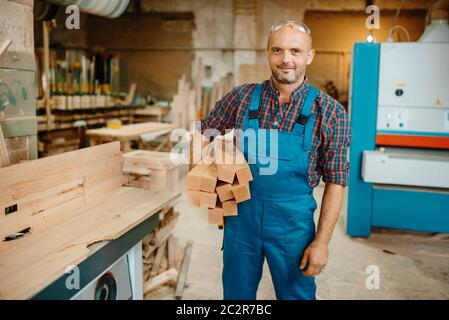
(337,138)
(223,115)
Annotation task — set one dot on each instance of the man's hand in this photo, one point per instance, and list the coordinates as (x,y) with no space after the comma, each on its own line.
(314,258)
(316,254)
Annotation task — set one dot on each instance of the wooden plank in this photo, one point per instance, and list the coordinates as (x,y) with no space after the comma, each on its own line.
(130,131)
(150,159)
(4,156)
(193,180)
(191,110)
(163,234)
(71,201)
(32,262)
(182,277)
(198,83)
(147,253)
(157,261)
(160,279)
(39,175)
(171,252)
(136,170)
(209,179)
(152,110)
(48,190)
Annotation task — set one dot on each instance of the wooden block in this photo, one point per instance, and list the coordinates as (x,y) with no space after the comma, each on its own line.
(202,199)
(145,183)
(244,174)
(230,208)
(224,192)
(136,170)
(193,180)
(198,147)
(163,234)
(226,172)
(4,156)
(160,279)
(215,216)
(241,192)
(208,200)
(193,198)
(171,252)
(182,276)
(209,179)
(158,259)
(158,180)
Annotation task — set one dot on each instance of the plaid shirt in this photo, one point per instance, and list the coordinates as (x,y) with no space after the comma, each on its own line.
(331,134)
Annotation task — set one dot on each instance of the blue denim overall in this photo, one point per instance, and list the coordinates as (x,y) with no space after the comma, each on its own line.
(277,222)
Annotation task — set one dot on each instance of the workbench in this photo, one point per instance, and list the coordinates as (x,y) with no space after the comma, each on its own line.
(127,133)
(71,210)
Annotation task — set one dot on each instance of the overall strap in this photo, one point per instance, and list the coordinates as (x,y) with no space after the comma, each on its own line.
(253,112)
(307,119)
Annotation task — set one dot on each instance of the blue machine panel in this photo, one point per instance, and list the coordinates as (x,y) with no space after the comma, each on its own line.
(363,110)
(377,206)
(411,210)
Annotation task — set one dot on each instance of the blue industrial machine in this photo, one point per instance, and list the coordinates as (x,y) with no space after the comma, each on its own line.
(399,108)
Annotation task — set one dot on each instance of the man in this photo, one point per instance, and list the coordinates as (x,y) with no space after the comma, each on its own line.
(313,138)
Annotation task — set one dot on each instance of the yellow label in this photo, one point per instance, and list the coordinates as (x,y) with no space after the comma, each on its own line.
(399,85)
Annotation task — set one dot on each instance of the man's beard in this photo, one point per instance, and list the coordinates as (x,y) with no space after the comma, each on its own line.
(287,79)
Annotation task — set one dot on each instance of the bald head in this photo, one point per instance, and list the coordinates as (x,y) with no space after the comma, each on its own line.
(289,51)
(290,28)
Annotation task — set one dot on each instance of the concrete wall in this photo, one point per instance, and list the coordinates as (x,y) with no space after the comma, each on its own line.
(154,48)
(227,33)
(16,24)
(242,26)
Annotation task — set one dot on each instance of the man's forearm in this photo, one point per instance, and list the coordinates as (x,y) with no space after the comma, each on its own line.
(330,211)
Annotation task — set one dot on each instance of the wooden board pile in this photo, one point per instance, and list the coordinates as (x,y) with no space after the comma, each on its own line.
(150,170)
(158,250)
(219,186)
(165,261)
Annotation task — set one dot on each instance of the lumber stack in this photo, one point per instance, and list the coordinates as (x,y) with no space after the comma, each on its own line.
(151,170)
(220,185)
(183,109)
(161,253)
(159,248)
(165,258)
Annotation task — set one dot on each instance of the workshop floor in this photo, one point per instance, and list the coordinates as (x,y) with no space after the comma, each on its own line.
(411,265)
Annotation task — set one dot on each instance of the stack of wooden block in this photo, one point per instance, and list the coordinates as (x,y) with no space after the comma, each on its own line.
(220,186)
(159,252)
